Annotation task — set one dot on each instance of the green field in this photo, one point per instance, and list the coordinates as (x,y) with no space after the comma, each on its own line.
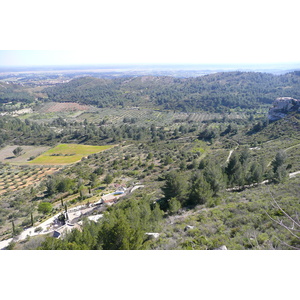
(67,154)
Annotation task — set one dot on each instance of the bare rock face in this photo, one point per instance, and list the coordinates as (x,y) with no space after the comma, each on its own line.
(283,106)
(221,248)
(188,227)
(152,235)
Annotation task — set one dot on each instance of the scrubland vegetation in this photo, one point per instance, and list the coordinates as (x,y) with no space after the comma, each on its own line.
(212,166)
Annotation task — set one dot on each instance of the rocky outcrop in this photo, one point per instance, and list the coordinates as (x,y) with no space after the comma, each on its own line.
(188,227)
(152,235)
(282,107)
(221,248)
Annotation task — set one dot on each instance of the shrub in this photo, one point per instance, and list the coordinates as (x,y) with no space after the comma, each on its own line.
(174,205)
(45,207)
(38,229)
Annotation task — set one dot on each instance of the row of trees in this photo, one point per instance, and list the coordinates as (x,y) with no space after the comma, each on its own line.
(92,133)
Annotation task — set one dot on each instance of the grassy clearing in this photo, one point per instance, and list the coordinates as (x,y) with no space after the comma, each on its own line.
(200,146)
(67,154)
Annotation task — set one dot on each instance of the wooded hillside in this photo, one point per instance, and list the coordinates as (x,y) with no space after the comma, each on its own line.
(214,93)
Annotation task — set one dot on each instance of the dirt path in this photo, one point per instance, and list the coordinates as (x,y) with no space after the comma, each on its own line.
(230,153)
(291,175)
(287,149)
(5,243)
(291,147)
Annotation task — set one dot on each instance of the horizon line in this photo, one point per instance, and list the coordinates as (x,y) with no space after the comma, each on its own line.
(115,65)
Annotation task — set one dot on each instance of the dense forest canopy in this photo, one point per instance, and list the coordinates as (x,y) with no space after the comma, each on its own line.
(10,92)
(218,92)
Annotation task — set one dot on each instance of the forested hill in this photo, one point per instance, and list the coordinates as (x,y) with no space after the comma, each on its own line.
(10,92)
(215,92)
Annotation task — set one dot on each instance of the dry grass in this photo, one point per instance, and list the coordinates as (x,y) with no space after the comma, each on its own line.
(7,156)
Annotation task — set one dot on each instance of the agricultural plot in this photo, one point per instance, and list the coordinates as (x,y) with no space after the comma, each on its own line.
(143,116)
(48,112)
(7,155)
(67,154)
(14,178)
(63,107)
(116,116)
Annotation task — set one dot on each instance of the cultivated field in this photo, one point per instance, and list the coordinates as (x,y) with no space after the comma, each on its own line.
(62,107)
(7,155)
(14,178)
(67,154)
(144,116)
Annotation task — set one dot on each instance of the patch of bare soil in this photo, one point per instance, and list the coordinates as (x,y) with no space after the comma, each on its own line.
(24,181)
(7,155)
(61,107)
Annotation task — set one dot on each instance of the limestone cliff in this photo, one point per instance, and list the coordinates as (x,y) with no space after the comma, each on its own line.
(283,106)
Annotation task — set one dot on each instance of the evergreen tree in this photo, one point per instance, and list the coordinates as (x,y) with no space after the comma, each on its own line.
(279,160)
(108,179)
(215,177)
(244,156)
(17,151)
(175,186)
(200,190)
(255,174)
(234,171)
(174,205)
(281,174)
(117,234)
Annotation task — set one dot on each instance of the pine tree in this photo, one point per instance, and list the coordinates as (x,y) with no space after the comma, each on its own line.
(215,177)
(174,205)
(281,174)
(279,160)
(255,174)
(117,233)
(200,190)
(244,156)
(175,186)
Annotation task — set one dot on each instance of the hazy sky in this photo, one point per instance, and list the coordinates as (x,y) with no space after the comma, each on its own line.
(149,32)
